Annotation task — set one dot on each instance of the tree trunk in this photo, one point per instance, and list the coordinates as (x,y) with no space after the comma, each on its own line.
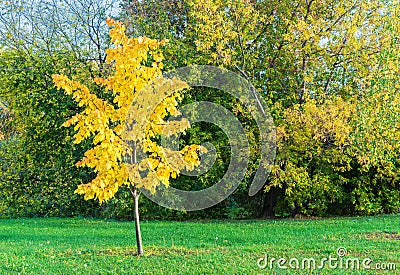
(135,193)
(137,222)
(270,200)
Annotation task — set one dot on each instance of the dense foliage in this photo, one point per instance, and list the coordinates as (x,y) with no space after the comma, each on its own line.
(37,175)
(329,71)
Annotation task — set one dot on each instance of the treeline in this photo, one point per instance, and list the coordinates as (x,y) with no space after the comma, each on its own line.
(329,71)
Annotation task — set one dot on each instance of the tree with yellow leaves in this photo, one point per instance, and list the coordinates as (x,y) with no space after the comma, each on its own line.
(329,70)
(122,129)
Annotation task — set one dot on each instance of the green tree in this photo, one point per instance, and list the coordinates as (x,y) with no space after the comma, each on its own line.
(39,38)
(36,169)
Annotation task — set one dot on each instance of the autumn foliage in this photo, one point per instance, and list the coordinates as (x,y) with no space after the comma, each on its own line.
(328,70)
(105,121)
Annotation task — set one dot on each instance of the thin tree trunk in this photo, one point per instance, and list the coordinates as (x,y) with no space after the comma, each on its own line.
(135,193)
(137,222)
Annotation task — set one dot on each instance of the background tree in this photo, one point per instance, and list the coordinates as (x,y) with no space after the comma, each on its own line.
(39,38)
(173,23)
(329,53)
(71,27)
(315,51)
(35,178)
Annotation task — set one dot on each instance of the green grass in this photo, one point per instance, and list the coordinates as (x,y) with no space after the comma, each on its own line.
(90,246)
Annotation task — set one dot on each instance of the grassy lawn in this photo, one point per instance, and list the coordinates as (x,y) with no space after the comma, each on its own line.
(90,246)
